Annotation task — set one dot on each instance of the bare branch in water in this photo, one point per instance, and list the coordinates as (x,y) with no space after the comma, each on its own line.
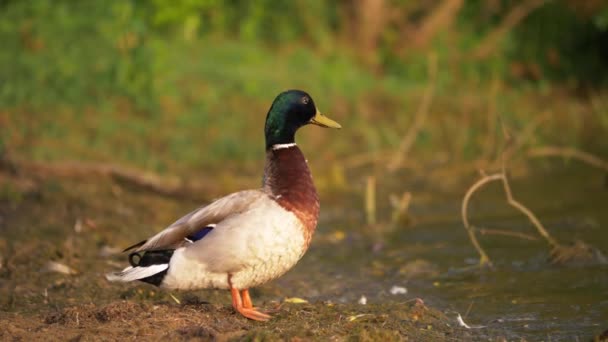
(486,231)
(484,259)
(517,205)
(559,253)
(569,152)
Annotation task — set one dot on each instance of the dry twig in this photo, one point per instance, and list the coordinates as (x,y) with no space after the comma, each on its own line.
(519,12)
(486,231)
(441,18)
(361,159)
(517,205)
(526,135)
(484,259)
(370,200)
(490,145)
(401,207)
(502,176)
(419,118)
(146,180)
(569,152)
(559,253)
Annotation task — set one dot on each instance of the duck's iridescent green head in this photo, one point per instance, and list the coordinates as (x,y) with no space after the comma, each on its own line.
(291,110)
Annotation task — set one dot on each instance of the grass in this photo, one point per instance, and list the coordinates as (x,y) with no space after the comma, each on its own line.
(212,96)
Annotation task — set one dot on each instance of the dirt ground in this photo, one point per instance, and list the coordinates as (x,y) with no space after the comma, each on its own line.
(128,320)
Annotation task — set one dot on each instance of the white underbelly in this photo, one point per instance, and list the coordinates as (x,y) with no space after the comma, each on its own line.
(252,249)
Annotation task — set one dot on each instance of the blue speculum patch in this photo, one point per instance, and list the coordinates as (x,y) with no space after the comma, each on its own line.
(200,234)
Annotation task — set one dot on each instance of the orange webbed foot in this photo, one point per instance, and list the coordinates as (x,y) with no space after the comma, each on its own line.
(254,314)
(241,302)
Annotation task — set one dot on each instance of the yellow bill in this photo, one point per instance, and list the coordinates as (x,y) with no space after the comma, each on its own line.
(323,121)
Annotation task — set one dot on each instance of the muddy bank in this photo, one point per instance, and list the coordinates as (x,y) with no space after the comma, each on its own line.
(129,320)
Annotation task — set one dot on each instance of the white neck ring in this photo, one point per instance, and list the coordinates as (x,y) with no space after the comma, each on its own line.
(282,146)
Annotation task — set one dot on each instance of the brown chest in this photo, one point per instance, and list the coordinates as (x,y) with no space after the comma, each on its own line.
(287,177)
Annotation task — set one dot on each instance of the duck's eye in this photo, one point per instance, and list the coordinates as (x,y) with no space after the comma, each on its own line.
(305,100)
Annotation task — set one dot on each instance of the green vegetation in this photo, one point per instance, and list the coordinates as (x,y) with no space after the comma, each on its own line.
(181,85)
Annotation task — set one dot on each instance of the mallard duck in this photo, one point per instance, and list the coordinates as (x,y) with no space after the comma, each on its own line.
(249,237)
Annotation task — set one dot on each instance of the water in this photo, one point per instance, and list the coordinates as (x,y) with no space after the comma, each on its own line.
(523,296)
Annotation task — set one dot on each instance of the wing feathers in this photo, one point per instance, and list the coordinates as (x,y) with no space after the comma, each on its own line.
(173,236)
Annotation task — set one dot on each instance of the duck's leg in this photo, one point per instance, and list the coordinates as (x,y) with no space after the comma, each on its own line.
(247,303)
(245,307)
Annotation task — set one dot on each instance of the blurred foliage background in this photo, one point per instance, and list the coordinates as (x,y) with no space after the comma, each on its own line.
(176,86)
